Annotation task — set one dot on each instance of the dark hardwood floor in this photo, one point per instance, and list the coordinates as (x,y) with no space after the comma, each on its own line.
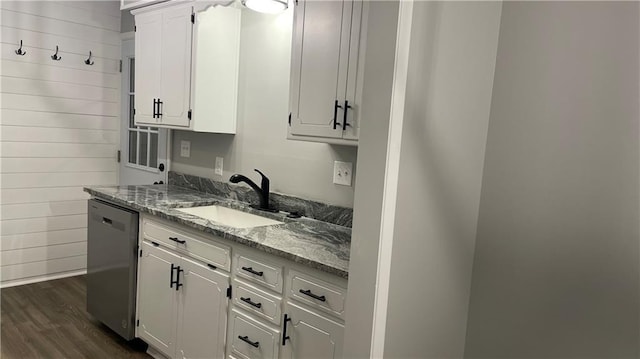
(49,320)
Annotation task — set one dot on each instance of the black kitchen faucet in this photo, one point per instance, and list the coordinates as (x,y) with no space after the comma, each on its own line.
(262,191)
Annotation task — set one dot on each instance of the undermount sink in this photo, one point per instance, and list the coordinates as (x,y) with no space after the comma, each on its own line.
(229,217)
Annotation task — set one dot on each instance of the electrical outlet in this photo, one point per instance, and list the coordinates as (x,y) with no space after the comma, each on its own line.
(342,173)
(185,148)
(218,169)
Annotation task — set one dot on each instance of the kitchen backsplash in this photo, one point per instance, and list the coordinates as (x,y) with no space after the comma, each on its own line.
(323,212)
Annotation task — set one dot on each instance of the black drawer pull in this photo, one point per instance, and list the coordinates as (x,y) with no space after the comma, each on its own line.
(155,244)
(250,302)
(246,340)
(314,296)
(175,239)
(250,270)
(211,266)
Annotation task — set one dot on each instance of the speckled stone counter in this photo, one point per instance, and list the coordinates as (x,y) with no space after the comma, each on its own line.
(313,243)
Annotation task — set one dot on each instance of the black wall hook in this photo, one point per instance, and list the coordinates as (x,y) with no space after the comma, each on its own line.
(20,51)
(88,61)
(55,56)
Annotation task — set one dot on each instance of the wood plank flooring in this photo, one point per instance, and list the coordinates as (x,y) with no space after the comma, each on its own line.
(49,320)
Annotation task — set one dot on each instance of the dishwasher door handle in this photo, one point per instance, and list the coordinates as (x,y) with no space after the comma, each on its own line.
(107,221)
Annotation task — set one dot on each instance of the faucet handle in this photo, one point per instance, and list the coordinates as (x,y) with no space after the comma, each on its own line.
(264,184)
(262,174)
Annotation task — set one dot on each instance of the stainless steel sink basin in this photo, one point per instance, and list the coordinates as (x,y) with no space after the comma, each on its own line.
(229,217)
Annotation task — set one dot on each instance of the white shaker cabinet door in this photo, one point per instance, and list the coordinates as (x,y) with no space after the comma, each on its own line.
(175,70)
(157,297)
(202,311)
(147,54)
(311,335)
(320,56)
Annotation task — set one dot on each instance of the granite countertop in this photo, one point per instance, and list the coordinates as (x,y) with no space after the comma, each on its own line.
(320,245)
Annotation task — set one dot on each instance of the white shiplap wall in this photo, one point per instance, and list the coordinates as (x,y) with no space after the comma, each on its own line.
(59,125)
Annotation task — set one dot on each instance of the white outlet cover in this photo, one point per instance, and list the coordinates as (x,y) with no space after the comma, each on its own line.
(342,173)
(185,148)
(218,169)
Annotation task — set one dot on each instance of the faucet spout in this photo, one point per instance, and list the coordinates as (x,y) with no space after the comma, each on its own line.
(262,192)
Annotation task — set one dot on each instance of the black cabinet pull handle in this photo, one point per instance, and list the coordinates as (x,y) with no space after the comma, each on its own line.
(284,330)
(344,120)
(160,103)
(155,102)
(155,244)
(173,267)
(250,302)
(314,296)
(335,114)
(250,270)
(178,271)
(246,340)
(175,239)
(211,266)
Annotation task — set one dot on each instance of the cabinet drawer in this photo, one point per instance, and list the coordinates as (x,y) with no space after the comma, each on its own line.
(250,339)
(259,271)
(317,293)
(200,248)
(257,302)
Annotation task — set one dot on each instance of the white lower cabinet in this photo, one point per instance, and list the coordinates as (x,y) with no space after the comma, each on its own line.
(310,334)
(202,312)
(182,304)
(249,338)
(301,308)
(274,308)
(156,300)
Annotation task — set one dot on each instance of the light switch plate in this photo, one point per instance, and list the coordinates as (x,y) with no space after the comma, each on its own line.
(185,148)
(218,169)
(342,173)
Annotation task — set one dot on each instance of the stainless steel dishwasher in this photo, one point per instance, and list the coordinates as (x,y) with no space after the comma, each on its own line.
(111,266)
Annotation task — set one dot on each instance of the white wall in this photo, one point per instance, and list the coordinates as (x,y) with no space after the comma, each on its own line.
(59,131)
(303,169)
(376,107)
(557,258)
(448,96)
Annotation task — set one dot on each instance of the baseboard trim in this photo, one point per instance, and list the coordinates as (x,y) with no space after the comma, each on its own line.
(156,354)
(42,278)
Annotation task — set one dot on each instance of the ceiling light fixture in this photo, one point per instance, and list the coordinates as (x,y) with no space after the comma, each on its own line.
(266,6)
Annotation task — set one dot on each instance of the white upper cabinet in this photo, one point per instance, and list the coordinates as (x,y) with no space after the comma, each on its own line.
(132,4)
(175,66)
(187,66)
(216,63)
(148,51)
(326,71)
